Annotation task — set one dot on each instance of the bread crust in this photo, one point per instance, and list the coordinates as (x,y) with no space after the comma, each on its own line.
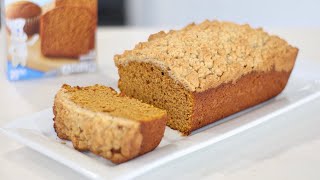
(230,98)
(113,138)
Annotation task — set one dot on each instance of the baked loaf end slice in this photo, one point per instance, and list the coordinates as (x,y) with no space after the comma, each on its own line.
(205,72)
(116,127)
(67,32)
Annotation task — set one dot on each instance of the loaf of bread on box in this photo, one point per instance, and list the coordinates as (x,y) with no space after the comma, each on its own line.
(67,31)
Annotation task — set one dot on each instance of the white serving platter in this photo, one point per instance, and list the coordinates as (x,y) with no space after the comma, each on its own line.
(36,131)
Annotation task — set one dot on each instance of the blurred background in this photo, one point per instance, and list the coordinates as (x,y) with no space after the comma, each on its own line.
(255,12)
(164,13)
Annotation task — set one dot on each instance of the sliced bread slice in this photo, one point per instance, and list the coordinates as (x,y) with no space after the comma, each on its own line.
(98,119)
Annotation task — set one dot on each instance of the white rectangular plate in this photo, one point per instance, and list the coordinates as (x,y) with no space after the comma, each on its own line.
(37,132)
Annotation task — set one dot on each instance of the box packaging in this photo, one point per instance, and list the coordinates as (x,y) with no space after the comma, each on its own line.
(46,38)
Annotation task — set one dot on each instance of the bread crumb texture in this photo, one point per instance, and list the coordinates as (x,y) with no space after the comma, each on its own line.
(98,119)
(104,99)
(206,55)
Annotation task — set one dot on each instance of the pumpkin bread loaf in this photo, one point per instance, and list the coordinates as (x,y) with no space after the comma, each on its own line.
(113,126)
(205,72)
(67,32)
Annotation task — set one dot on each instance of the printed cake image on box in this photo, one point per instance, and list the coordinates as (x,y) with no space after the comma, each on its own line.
(50,37)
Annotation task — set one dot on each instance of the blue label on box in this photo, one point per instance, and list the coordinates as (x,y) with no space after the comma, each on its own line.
(22,73)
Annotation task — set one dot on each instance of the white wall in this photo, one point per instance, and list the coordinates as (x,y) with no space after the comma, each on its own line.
(256,12)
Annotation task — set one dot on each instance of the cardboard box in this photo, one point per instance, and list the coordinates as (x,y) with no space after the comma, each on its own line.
(46,38)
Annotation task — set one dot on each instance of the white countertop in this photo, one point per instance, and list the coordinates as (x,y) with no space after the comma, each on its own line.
(287,147)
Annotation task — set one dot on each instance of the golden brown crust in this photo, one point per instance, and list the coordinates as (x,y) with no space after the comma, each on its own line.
(113,138)
(152,133)
(229,98)
(67,32)
(204,56)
